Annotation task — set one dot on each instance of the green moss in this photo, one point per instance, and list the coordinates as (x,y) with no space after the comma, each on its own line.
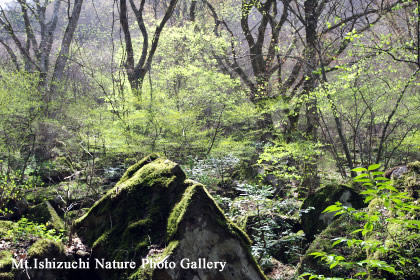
(45,213)
(46,248)
(146,273)
(146,207)
(320,200)
(7,276)
(134,168)
(101,239)
(6,258)
(375,205)
(414,166)
(159,172)
(178,212)
(341,227)
(40,194)
(5,226)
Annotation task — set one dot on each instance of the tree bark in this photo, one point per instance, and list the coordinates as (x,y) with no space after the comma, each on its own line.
(65,43)
(136,72)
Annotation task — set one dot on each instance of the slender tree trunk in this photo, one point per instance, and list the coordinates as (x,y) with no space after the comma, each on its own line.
(65,43)
(311,179)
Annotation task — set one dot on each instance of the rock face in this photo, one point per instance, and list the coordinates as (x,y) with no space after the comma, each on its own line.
(154,215)
(407,179)
(313,220)
(45,213)
(41,250)
(341,227)
(394,234)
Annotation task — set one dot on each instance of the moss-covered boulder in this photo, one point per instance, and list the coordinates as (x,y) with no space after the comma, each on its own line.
(34,264)
(6,258)
(401,247)
(399,239)
(17,207)
(409,180)
(38,195)
(153,215)
(341,227)
(46,214)
(313,220)
(43,251)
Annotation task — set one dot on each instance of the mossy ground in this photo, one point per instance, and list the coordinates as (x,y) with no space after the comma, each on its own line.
(5,226)
(46,248)
(6,258)
(40,194)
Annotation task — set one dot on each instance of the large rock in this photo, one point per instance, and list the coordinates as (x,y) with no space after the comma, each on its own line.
(407,178)
(399,238)
(6,259)
(44,213)
(154,214)
(42,250)
(339,228)
(313,220)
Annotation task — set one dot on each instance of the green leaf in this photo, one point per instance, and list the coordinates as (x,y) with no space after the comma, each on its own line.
(362,180)
(397,201)
(368,192)
(380,179)
(369,198)
(359,169)
(339,241)
(360,176)
(368,226)
(391,188)
(374,166)
(333,208)
(333,265)
(414,222)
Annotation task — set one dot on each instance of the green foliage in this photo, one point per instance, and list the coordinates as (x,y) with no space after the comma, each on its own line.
(261,216)
(20,109)
(263,228)
(290,160)
(11,190)
(365,96)
(389,234)
(211,170)
(25,230)
(187,107)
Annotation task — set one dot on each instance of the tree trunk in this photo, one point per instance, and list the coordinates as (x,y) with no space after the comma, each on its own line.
(311,179)
(65,43)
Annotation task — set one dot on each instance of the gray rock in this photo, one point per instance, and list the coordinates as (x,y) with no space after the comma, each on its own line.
(313,220)
(154,215)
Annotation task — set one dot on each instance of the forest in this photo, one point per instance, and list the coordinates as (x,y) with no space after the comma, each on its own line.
(270,139)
